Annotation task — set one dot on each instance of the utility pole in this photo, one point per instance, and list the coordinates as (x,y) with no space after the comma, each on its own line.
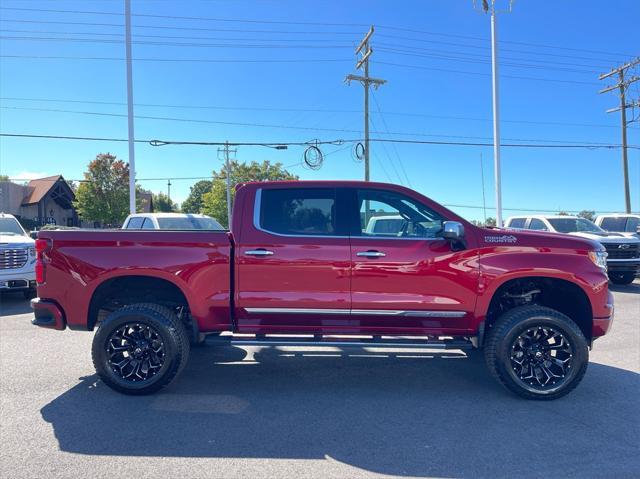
(366,81)
(132,153)
(169,189)
(622,86)
(227,166)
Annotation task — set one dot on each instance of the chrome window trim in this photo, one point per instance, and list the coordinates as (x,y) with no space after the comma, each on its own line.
(256,224)
(360,312)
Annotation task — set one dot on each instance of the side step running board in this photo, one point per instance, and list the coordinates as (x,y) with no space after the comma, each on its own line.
(315,341)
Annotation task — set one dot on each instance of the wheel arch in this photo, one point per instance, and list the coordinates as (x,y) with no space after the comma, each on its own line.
(560,294)
(129,289)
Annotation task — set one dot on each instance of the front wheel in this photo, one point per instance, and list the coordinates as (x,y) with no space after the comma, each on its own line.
(537,352)
(140,348)
(622,278)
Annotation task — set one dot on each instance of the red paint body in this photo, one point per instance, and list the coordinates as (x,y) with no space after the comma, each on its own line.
(214,273)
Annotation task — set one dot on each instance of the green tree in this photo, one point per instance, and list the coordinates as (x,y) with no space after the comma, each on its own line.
(563,213)
(103,196)
(587,214)
(195,201)
(215,201)
(4,178)
(163,204)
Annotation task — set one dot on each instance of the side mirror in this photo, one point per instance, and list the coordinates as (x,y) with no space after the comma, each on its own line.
(452,230)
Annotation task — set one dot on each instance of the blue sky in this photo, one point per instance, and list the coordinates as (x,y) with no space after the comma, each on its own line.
(253,67)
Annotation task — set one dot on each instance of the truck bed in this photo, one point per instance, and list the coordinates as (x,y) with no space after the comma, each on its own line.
(198,262)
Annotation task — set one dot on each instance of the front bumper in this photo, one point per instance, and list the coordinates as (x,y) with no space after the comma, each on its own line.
(623,265)
(602,325)
(17,280)
(48,314)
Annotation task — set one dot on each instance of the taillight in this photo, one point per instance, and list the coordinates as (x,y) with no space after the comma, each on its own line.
(42,245)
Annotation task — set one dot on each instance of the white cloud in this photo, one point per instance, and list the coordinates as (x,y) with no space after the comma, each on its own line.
(29,175)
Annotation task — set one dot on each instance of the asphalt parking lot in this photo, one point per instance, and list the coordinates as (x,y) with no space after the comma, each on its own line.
(312,413)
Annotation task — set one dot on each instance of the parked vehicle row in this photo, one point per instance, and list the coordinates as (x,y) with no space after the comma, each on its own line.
(17,257)
(623,250)
(304,263)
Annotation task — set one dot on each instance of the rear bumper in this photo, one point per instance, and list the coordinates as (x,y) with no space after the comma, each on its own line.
(48,314)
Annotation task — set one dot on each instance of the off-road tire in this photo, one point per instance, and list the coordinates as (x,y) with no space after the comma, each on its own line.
(622,278)
(175,347)
(507,329)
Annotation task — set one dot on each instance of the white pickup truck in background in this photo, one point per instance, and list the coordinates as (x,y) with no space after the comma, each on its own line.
(625,224)
(17,257)
(623,260)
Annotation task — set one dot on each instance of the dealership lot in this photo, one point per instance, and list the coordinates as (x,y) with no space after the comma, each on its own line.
(302,412)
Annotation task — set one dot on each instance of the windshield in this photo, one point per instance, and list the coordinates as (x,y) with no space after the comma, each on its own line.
(10,226)
(574,225)
(189,223)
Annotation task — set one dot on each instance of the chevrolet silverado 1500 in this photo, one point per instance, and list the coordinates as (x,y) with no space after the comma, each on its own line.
(301,266)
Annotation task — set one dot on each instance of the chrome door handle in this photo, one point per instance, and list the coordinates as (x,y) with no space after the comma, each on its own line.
(258,252)
(371,254)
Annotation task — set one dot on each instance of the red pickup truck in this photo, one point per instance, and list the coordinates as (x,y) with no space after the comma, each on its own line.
(314,264)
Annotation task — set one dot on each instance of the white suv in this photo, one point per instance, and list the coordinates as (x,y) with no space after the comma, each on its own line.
(170,221)
(623,260)
(17,257)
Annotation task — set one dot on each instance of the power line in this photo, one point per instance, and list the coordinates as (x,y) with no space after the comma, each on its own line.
(281,22)
(171,44)
(288,127)
(304,109)
(166,27)
(334,142)
(179,60)
(517,77)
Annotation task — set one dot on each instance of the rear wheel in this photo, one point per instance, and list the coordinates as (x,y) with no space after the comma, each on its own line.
(140,348)
(622,278)
(537,352)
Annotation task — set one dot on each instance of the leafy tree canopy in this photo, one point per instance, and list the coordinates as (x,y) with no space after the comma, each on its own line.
(195,201)
(103,196)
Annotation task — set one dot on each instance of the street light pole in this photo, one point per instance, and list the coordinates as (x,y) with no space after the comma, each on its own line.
(132,159)
(496,117)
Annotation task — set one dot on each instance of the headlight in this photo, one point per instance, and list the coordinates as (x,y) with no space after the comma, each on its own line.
(599,258)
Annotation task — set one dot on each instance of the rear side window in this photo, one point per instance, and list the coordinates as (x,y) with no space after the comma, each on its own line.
(135,223)
(298,212)
(517,223)
(612,223)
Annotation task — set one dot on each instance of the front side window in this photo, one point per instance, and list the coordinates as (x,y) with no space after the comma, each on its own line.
(632,225)
(135,223)
(386,214)
(147,224)
(298,212)
(537,224)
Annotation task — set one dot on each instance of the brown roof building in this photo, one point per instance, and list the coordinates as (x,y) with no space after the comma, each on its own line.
(42,201)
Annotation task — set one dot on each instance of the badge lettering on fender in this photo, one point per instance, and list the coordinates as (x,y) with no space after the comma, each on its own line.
(501,239)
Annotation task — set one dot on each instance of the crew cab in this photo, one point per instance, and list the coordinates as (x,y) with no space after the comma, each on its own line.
(623,252)
(300,267)
(17,257)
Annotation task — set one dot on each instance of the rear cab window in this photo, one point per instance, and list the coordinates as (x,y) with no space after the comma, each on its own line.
(135,223)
